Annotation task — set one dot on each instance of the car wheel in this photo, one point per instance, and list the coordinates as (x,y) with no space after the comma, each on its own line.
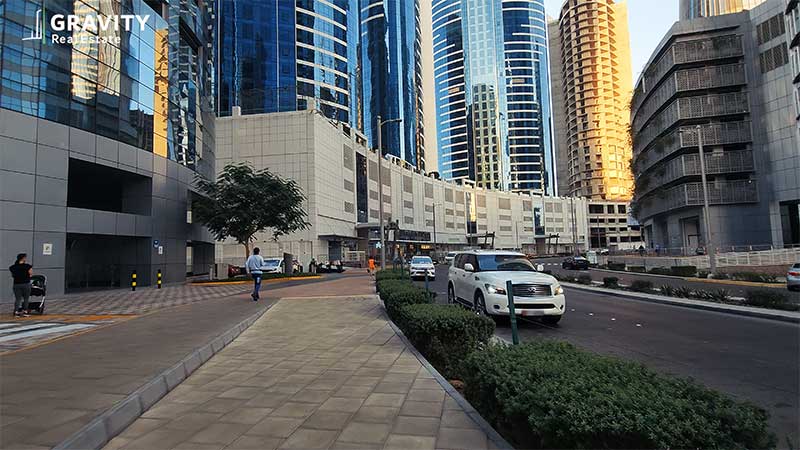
(451,294)
(551,320)
(479,305)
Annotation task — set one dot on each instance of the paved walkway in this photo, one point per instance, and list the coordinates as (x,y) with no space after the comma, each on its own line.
(312,373)
(54,389)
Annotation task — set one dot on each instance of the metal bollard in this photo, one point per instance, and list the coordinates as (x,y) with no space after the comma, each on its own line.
(512,314)
(159,278)
(427,289)
(133,281)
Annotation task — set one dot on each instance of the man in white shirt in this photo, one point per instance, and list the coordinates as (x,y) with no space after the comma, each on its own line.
(253,265)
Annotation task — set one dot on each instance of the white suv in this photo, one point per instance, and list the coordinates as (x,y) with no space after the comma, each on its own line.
(478,279)
(422,265)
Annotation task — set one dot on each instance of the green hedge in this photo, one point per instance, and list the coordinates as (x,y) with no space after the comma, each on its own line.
(398,293)
(616,266)
(611,282)
(445,334)
(585,279)
(660,271)
(770,298)
(684,271)
(390,274)
(637,269)
(551,395)
(642,286)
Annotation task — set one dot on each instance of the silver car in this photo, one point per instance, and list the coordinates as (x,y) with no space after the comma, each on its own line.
(793,278)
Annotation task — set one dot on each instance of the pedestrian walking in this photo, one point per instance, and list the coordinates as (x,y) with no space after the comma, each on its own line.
(21,272)
(372,265)
(254,266)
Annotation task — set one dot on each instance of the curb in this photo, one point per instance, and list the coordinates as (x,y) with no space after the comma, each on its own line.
(744,284)
(243,282)
(748,311)
(496,439)
(116,419)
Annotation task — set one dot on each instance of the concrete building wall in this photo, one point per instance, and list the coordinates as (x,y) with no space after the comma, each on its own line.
(322,156)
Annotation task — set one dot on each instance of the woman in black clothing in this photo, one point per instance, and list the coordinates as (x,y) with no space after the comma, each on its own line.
(21,271)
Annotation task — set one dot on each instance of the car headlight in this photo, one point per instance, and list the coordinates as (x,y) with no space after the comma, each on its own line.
(495,289)
(558,290)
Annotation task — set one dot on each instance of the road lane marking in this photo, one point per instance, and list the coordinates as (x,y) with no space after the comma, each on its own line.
(45,331)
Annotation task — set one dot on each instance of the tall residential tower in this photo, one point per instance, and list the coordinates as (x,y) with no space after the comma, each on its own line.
(493,94)
(692,9)
(591,60)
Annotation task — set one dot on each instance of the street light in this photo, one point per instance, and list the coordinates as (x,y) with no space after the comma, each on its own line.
(712,252)
(380,186)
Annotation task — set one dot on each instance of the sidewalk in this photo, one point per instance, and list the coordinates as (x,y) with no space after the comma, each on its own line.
(312,373)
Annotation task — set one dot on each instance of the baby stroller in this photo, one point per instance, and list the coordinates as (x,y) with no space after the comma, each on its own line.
(38,289)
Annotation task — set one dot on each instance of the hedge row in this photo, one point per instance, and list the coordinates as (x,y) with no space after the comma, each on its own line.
(390,274)
(551,395)
(444,334)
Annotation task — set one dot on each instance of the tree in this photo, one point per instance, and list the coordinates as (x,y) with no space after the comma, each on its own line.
(243,202)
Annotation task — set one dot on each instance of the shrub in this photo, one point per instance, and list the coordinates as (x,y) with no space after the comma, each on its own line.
(642,286)
(684,292)
(702,274)
(611,282)
(585,279)
(770,298)
(660,271)
(667,290)
(721,296)
(616,266)
(754,277)
(390,274)
(547,394)
(398,293)
(637,269)
(720,276)
(445,334)
(683,271)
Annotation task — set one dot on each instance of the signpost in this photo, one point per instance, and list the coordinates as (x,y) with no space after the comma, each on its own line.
(512,314)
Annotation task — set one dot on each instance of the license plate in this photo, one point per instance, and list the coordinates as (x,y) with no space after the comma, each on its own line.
(531,312)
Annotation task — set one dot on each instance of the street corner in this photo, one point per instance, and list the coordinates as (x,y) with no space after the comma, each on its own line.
(22,333)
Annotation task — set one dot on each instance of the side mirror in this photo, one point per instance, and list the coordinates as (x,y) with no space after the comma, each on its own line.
(540,268)
(469,267)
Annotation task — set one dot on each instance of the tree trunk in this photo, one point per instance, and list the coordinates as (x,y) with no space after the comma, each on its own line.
(246,249)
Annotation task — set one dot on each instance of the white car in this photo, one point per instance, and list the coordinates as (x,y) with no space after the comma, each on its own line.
(421,265)
(477,279)
(272,265)
(793,278)
(449,257)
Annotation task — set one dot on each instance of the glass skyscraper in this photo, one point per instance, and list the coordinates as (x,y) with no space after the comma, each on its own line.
(285,55)
(492,94)
(391,76)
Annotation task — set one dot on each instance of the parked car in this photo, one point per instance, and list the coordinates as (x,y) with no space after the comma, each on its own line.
(448,259)
(422,265)
(477,279)
(793,278)
(272,265)
(575,263)
(330,267)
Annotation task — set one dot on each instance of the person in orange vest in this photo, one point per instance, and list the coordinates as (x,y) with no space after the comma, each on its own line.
(372,265)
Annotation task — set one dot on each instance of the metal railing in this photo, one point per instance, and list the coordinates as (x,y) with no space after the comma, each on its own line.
(689,165)
(691,194)
(727,256)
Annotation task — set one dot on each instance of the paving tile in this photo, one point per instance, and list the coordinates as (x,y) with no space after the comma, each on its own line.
(220,405)
(241,393)
(249,416)
(461,439)
(426,395)
(392,388)
(362,381)
(312,396)
(310,439)
(341,404)
(418,426)
(295,409)
(327,420)
(426,409)
(197,446)
(365,433)
(354,391)
(281,427)
(249,442)
(385,400)
(220,433)
(456,419)
(403,442)
(377,414)
(193,421)
(268,400)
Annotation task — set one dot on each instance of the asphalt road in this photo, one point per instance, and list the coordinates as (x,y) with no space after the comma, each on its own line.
(554,265)
(752,359)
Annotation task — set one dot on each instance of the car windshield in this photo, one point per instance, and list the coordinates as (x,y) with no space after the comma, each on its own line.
(272,262)
(504,263)
(451,254)
(421,260)
(796,266)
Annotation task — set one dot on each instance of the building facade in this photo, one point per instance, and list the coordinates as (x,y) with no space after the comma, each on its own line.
(693,9)
(612,227)
(391,77)
(590,58)
(793,38)
(339,177)
(288,55)
(494,125)
(730,76)
(100,140)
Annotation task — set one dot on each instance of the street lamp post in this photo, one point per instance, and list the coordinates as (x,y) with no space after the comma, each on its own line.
(710,249)
(381,123)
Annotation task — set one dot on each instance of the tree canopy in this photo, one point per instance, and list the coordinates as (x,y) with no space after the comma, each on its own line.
(243,202)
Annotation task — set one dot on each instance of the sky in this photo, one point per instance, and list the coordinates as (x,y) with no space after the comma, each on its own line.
(648,21)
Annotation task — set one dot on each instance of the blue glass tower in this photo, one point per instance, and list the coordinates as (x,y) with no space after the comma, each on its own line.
(492,94)
(391,76)
(284,55)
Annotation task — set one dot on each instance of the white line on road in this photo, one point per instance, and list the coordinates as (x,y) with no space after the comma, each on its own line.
(33,333)
(20,327)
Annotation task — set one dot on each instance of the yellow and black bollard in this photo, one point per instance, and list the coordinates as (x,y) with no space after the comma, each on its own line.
(159,278)
(133,281)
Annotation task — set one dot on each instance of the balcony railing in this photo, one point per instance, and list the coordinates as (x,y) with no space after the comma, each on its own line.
(686,137)
(707,49)
(702,106)
(691,194)
(738,161)
(690,80)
